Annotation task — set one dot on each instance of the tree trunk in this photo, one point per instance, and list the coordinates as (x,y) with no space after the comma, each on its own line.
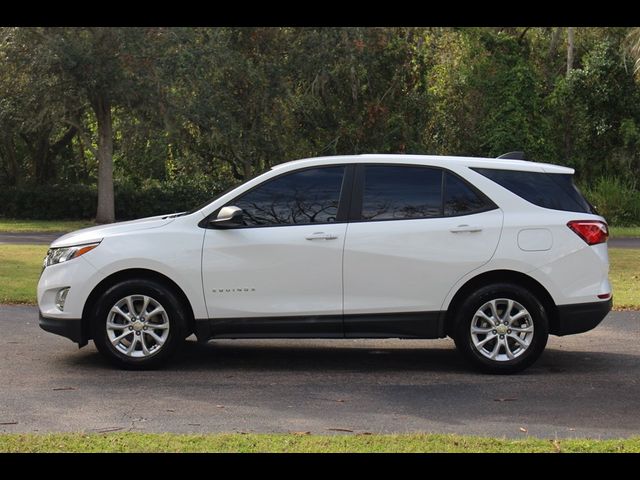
(570,49)
(38,146)
(247,171)
(9,153)
(41,157)
(106,202)
(553,45)
(83,170)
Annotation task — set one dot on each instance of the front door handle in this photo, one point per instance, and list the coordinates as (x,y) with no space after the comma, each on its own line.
(321,236)
(466,228)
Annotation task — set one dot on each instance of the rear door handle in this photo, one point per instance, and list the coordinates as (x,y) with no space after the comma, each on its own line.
(465,228)
(321,236)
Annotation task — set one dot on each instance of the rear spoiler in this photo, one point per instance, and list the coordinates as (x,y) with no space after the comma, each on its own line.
(512,156)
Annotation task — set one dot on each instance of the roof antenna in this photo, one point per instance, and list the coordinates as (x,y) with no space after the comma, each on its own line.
(513,156)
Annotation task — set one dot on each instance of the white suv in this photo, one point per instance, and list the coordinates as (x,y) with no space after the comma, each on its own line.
(495,253)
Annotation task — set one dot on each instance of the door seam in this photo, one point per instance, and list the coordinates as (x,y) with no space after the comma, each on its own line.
(344,243)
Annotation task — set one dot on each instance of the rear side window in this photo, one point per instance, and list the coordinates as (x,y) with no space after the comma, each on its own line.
(549,190)
(400,193)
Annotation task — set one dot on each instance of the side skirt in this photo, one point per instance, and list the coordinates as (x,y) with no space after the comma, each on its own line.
(369,325)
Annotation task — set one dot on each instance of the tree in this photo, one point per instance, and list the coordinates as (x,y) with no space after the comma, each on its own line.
(632,44)
(604,101)
(570,48)
(103,70)
(33,135)
(358,90)
(228,99)
(202,108)
(92,68)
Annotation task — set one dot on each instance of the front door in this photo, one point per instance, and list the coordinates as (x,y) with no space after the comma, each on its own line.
(279,274)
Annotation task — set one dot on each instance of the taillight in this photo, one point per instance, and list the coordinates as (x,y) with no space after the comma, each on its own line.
(591,231)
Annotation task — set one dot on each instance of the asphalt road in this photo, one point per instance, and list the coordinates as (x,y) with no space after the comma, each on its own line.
(584,385)
(29,238)
(47,238)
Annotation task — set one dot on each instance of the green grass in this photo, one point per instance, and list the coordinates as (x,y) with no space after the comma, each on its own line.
(20,267)
(298,443)
(624,274)
(26,226)
(622,232)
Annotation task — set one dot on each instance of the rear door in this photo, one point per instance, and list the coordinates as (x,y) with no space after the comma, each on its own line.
(415,232)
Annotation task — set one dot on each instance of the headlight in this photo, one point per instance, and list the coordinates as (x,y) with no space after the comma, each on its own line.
(59,255)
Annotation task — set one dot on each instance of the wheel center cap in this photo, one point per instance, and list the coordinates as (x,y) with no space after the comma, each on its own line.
(501,329)
(137,325)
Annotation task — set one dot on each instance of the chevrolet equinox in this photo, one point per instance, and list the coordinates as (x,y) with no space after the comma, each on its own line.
(495,253)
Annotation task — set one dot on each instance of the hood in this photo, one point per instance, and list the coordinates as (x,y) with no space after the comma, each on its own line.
(95,234)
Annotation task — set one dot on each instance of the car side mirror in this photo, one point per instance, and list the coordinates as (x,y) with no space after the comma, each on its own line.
(228,217)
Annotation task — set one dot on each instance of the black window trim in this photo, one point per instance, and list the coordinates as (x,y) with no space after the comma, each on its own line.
(355,214)
(344,201)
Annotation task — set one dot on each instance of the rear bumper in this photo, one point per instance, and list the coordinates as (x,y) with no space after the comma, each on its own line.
(580,317)
(70,328)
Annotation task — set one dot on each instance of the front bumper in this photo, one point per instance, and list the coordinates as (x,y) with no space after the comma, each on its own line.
(79,275)
(70,328)
(580,317)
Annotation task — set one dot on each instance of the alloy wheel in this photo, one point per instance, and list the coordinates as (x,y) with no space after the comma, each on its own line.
(502,329)
(137,326)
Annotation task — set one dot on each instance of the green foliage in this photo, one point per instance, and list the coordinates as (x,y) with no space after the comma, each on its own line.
(513,115)
(359,91)
(225,103)
(600,103)
(615,198)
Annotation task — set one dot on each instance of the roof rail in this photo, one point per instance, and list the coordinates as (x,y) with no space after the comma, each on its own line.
(513,156)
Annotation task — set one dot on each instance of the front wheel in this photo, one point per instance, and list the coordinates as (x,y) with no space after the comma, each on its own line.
(138,324)
(501,328)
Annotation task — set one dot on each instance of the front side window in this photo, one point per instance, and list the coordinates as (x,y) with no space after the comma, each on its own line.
(400,193)
(299,198)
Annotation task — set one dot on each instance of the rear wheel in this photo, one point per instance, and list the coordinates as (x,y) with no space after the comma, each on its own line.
(139,324)
(501,328)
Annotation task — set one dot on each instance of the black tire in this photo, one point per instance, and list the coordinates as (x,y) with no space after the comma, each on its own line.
(160,293)
(464,318)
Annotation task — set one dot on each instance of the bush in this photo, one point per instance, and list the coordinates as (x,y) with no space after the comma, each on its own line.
(616,199)
(153,197)
(49,202)
(70,202)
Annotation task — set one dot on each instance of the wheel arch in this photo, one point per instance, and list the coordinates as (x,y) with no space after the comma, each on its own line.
(143,273)
(502,276)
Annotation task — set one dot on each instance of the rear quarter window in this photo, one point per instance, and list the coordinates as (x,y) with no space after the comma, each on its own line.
(460,198)
(549,190)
